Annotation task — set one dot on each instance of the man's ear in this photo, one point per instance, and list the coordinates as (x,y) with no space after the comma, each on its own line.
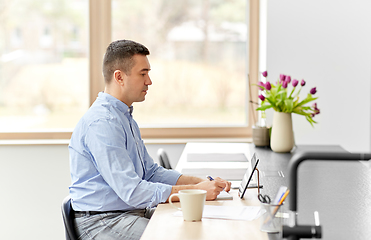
(118,76)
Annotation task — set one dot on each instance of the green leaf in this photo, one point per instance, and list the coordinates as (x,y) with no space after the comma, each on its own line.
(299,111)
(292,92)
(264,107)
(308,99)
(271,101)
(297,94)
(289,105)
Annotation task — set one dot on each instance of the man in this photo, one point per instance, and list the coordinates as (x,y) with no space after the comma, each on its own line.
(115,183)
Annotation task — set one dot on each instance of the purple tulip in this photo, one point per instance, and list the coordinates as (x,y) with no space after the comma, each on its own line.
(261,97)
(284,84)
(288,79)
(295,82)
(265,74)
(261,85)
(313,91)
(268,86)
(316,110)
(302,83)
(282,77)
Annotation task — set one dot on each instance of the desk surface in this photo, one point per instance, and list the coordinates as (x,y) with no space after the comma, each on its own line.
(163,225)
(340,191)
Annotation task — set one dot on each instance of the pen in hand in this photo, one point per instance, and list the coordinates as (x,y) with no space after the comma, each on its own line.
(210,178)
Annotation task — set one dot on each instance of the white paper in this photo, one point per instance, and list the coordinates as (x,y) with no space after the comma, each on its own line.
(223,195)
(245,213)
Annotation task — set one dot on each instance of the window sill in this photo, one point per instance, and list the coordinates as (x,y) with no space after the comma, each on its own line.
(153,134)
(19,142)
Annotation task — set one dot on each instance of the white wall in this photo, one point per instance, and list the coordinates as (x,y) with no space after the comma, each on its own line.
(34,180)
(173,151)
(328,43)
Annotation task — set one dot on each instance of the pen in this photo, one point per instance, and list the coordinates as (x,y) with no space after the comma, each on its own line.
(210,178)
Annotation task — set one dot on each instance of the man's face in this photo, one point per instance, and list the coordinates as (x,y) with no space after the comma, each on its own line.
(136,84)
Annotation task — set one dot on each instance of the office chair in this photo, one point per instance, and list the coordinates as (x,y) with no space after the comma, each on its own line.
(163,158)
(68,217)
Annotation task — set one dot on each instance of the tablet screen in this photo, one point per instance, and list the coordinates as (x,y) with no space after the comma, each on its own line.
(248,176)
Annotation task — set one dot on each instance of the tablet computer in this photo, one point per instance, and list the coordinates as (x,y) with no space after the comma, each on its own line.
(248,176)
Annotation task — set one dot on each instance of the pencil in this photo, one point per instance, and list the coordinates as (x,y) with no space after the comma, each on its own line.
(278,206)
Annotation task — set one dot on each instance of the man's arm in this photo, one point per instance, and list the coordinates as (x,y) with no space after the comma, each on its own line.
(187,180)
(213,188)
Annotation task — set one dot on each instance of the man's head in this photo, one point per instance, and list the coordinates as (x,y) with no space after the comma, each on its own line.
(125,70)
(119,56)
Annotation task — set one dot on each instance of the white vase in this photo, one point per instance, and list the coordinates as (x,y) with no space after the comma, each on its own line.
(282,137)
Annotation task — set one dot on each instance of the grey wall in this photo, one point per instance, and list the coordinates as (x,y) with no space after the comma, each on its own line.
(328,43)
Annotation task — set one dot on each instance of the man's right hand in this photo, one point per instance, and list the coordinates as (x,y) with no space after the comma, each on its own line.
(213,188)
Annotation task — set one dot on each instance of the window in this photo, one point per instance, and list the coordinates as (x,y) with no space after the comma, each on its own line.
(198,57)
(201,55)
(43,64)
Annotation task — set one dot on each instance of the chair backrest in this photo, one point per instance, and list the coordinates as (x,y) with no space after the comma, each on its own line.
(68,217)
(163,158)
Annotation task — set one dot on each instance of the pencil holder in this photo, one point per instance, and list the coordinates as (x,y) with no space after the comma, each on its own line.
(271,220)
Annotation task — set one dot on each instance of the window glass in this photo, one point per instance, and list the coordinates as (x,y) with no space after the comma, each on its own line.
(198,59)
(43,63)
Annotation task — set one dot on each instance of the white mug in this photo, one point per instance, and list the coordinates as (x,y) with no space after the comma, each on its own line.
(192,203)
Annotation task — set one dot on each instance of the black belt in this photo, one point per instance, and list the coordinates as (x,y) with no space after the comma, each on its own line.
(88,213)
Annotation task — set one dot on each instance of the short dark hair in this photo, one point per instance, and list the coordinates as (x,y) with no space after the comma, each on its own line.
(119,56)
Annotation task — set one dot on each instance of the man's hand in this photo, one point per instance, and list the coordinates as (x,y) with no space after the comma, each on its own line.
(228,184)
(213,188)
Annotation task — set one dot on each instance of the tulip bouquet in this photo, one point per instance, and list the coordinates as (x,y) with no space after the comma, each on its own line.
(277,97)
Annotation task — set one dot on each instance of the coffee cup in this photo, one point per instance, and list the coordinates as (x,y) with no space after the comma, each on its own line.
(192,203)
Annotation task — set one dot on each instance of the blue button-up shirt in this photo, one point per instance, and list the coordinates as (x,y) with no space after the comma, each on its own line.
(110,166)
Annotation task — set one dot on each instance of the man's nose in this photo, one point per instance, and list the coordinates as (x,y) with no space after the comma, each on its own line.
(148,81)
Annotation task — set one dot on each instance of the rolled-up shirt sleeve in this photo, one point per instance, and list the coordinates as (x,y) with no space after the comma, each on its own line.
(139,183)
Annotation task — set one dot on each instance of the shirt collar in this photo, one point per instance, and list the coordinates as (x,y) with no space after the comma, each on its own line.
(116,103)
(130,110)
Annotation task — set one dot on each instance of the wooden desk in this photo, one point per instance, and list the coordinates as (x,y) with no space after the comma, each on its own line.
(339,191)
(163,225)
